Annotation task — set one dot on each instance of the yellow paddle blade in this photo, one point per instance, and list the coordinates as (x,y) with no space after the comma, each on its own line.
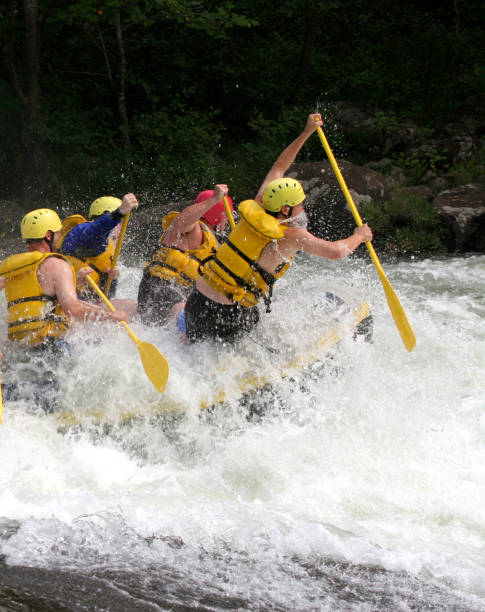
(404,328)
(400,319)
(155,364)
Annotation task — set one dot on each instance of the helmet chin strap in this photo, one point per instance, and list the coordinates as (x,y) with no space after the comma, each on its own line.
(290,213)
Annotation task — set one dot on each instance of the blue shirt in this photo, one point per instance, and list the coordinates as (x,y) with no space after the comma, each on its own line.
(91,238)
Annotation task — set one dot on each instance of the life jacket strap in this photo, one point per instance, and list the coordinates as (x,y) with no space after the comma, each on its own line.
(50,318)
(268,278)
(240,282)
(157,264)
(36,298)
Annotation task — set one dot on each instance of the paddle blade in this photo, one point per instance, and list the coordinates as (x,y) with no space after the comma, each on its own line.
(155,365)
(398,314)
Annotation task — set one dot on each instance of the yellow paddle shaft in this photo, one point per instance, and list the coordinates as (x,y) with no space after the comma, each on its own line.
(116,254)
(397,311)
(347,195)
(230,218)
(112,308)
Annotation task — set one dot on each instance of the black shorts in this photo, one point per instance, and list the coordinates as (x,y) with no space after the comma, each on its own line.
(156,296)
(206,319)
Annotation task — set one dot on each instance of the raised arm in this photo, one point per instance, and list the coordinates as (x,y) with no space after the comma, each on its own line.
(93,236)
(288,156)
(189,217)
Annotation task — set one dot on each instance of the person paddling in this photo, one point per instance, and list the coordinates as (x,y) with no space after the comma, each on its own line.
(90,243)
(188,238)
(40,285)
(258,252)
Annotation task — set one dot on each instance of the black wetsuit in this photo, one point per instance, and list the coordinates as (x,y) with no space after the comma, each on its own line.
(206,319)
(156,296)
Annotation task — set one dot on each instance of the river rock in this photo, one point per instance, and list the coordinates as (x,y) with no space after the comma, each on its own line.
(382,132)
(422,191)
(463,209)
(326,206)
(10,240)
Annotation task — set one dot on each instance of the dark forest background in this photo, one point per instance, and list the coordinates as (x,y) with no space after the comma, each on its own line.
(164,97)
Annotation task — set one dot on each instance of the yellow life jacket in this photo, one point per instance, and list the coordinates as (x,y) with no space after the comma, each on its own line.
(99,263)
(234,270)
(32,315)
(178,265)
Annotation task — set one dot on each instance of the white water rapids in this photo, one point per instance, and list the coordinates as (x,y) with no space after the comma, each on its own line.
(360,488)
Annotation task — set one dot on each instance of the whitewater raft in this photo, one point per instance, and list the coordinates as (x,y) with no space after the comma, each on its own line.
(230,376)
(236,377)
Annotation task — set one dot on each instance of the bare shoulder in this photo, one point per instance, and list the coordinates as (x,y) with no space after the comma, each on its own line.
(55,264)
(52,271)
(298,234)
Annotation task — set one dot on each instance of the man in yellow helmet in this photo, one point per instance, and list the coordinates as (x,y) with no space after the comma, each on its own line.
(187,240)
(40,287)
(90,243)
(258,252)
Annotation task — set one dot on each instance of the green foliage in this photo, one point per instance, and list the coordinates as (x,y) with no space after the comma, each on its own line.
(417,165)
(405,224)
(469,171)
(214,90)
(179,150)
(272,134)
(385,123)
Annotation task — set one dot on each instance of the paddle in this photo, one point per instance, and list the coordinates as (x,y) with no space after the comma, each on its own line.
(397,311)
(155,364)
(119,242)
(230,218)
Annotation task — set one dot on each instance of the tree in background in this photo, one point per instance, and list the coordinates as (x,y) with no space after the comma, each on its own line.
(171,95)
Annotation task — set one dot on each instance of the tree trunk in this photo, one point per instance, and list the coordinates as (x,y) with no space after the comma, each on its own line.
(28,94)
(306,51)
(121,96)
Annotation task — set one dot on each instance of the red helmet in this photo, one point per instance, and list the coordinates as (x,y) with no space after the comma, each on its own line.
(214,215)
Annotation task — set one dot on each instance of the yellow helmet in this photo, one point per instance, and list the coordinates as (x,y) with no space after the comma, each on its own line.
(103,205)
(282,192)
(37,223)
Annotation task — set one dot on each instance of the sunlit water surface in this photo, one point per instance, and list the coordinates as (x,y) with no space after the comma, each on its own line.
(360,487)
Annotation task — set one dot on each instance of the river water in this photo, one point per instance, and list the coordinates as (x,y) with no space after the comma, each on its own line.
(357,486)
